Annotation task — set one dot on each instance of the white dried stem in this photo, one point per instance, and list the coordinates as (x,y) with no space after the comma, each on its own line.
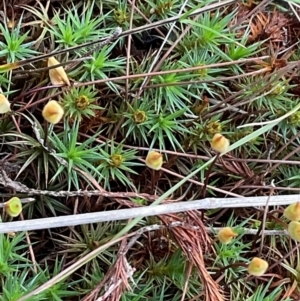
(124,214)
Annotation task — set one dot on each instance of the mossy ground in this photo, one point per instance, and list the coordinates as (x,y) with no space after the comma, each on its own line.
(169,88)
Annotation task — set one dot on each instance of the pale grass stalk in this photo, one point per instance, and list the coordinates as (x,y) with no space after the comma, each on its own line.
(125,214)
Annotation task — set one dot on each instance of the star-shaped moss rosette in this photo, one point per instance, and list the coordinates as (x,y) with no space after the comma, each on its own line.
(13,207)
(226,234)
(292,212)
(257,267)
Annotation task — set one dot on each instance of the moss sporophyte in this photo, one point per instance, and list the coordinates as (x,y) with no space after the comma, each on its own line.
(116,160)
(13,207)
(139,116)
(294,230)
(225,235)
(4,104)
(219,143)
(257,267)
(82,102)
(58,75)
(53,112)
(292,212)
(154,160)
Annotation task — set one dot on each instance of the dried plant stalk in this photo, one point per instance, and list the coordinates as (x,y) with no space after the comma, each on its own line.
(124,214)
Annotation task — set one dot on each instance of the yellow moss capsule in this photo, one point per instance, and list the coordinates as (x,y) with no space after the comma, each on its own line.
(292,212)
(225,235)
(257,266)
(219,143)
(53,112)
(154,160)
(58,75)
(4,104)
(294,230)
(13,207)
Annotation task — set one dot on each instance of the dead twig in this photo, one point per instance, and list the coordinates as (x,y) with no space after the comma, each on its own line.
(124,214)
